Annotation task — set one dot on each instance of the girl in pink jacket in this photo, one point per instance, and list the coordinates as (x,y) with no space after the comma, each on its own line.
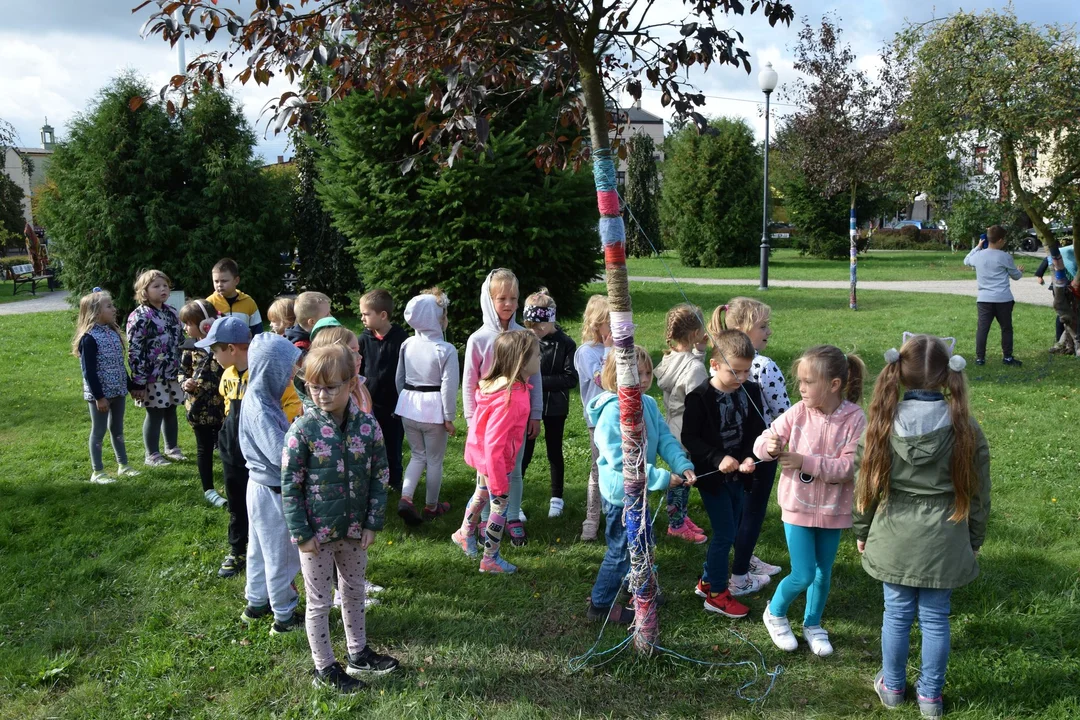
(820,434)
(496,433)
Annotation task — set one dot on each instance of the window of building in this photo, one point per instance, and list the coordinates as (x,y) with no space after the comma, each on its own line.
(980,160)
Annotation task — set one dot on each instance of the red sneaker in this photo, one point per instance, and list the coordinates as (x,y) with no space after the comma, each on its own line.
(724,604)
(702,589)
(693,526)
(685,533)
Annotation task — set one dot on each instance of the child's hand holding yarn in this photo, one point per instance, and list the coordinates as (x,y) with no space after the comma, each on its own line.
(729,464)
(311,545)
(791,461)
(774,445)
(691,477)
(747,466)
(367,538)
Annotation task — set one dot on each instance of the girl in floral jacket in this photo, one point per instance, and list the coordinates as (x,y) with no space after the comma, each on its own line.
(155,336)
(200,376)
(334,474)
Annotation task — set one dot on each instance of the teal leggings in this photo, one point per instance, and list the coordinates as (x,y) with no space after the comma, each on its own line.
(812,551)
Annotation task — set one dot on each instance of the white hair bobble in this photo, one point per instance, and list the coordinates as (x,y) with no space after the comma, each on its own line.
(957,363)
(892,355)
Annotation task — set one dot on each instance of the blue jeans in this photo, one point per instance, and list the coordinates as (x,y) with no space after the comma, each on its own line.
(616,561)
(901,604)
(813,552)
(755,503)
(724,507)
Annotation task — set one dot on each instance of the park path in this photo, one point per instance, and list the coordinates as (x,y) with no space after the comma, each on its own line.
(1026,290)
(46,302)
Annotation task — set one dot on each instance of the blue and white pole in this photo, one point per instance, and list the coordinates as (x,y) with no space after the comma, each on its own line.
(854,232)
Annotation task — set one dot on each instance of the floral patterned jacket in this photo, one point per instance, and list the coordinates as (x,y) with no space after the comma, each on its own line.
(155,336)
(205,406)
(333,481)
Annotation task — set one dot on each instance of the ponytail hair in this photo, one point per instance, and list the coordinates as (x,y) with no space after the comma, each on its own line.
(830,363)
(923,363)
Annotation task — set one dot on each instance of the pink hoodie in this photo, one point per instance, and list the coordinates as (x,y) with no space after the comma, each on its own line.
(821,494)
(496,432)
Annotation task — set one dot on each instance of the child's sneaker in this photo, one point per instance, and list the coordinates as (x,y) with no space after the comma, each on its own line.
(760,567)
(336,678)
(408,513)
(555,507)
(175,454)
(438,511)
(930,707)
(213,498)
(155,460)
(231,566)
(496,564)
(685,533)
(371,588)
(618,614)
(467,543)
(702,588)
(281,627)
(891,699)
(254,612)
(780,631)
(694,527)
(978,361)
(517,533)
(126,471)
(589,529)
(1012,361)
(521,515)
(748,584)
(726,605)
(100,477)
(818,640)
(370,662)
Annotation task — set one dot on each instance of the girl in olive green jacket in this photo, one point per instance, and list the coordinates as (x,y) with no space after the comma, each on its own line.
(922,498)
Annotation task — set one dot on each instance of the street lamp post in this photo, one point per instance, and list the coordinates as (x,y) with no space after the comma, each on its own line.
(767,82)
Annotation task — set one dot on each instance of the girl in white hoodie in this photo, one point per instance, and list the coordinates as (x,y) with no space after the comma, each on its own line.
(427,385)
(680,371)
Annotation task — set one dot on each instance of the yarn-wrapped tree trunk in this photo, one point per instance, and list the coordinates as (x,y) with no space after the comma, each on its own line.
(631,419)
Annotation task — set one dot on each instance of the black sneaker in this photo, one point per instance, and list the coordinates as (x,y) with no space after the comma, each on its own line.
(371,662)
(408,512)
(1012,361)
(618,614)
(231,566)
(980,361)
(255,612)
(335,677)
(281,627)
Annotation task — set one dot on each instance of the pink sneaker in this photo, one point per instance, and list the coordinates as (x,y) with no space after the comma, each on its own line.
(693,526)
(685,533)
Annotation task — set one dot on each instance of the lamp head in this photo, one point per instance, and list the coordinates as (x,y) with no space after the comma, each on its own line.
(767,78)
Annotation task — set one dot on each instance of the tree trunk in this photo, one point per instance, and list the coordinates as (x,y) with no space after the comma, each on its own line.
(853,231)
(1033,209)
(613,236)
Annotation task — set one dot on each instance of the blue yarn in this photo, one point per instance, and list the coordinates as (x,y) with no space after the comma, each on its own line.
(612,231)
(603,170)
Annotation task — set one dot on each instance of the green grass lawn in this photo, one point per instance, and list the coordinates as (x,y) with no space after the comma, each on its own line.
(114,609)
(787,264)
(24,292)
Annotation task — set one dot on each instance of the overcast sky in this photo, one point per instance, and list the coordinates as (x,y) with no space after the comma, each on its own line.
(57,54)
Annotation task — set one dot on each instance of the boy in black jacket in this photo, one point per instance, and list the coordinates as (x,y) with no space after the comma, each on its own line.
(558,375)
(721,421)
(380,344)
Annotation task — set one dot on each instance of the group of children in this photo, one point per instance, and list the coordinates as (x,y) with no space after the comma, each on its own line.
(308,421)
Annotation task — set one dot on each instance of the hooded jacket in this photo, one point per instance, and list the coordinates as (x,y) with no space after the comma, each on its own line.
(709,436)
(333,481)
(603,412)
(909,537)
(589,361)
(678,374)
(299,337)
(427,366)
(497,432)
(820,495)
(557,372)
(379,366)
(263,423)
(480,353)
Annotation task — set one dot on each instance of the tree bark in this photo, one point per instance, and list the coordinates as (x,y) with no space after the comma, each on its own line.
(613,236)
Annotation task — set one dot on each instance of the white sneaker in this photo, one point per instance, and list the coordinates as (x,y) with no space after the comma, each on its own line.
(521,515)
(98,477)
(555,508)
(780,632)
(748,584)
(126,471)
(371,588)
(818,640)
(760,567)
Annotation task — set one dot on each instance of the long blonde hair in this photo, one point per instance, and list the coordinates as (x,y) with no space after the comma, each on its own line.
(89,310)
(742,313)
(923,365)
(513,351)
(830,363)
(342,336)
(597,312)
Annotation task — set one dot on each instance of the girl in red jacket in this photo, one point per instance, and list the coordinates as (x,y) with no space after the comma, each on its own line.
(496,433)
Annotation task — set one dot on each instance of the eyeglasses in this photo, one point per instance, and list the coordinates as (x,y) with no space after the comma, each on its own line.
(328,390)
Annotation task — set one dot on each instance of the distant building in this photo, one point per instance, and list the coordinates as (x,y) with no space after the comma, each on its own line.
(634,121)
(39,158)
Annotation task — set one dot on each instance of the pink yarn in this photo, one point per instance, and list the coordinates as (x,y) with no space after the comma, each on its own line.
(608,200)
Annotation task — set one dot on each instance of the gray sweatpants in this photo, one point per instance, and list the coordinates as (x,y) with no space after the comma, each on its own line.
(272,559)
(427,446)
(114,419)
